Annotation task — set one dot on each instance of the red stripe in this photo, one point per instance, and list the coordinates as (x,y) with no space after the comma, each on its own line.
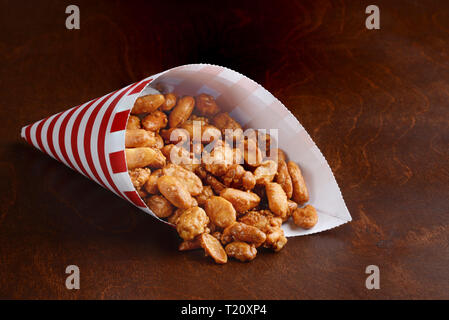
(74,137)
(102,137)
(118,161)
(140,87)
(88,137)
(39,135)
(119,122)
(50,136)
(28,134)
(134,197)
(62,133)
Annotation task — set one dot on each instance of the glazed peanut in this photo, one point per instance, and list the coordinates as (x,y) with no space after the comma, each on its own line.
(300,192)
(174,218)
(190,244)
(252,154)
(237,177)
(205,194)
(241,200)
(241,251)
(133,123)
(144,157)
(220,211)
(215,184)
(306,217)
(155,121)
(141,138)
(224,121)
(150,185)
(181,112)
(265,172)
(206,105)
(284,179)
(277,199)
(275,240)
(212,247)
(169,103)
(139,177)
(190,180)
(148,103)
(241,232)
(192,222)
(175,192)
(160,206)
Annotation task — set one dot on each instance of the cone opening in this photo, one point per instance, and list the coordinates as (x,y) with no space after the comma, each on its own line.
(254,107)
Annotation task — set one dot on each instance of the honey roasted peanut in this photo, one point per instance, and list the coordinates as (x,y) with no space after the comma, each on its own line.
(169,103)
(133,123)
(144,157)
(141,138)
(306,217)
(181,112)
(241,251)
(213,248)
(242,232)
(220,211)
(190,180)
(160,206)
(155,121)
(206,105)
(277,199)
(175,192)
(192,222)
(300,192)
(148,103)
(241,200)
(284,179)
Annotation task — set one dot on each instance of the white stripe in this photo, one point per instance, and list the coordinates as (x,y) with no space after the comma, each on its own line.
(33,134)
(68,138)
(44,135)
(94,139)
(80,140)
(56,129)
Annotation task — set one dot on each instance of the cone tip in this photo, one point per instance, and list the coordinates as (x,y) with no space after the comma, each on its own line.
(22,132)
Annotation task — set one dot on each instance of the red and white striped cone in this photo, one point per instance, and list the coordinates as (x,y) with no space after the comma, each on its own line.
(90,138)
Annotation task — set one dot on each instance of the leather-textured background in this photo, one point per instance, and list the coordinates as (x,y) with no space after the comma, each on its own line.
(376,102)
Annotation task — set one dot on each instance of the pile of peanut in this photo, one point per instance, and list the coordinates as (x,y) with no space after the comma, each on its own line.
(229,202)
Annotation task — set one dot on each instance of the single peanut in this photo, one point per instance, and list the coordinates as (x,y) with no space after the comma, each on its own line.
(241,200)
(181,112)
(192,222)
(143,157)
(306,217)
(155,121)
(241,251)
(213,248)
(169,103)
(190,180)
(175,192)
(206,105)
(242,232)
(160,206)
(133,123)
(300,192)
(220,211)
(277,199)
(148,103)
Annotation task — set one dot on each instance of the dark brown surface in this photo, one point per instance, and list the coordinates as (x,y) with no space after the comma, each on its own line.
(375,102)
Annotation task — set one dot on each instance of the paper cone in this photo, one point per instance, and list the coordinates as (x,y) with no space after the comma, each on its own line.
(90,138)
